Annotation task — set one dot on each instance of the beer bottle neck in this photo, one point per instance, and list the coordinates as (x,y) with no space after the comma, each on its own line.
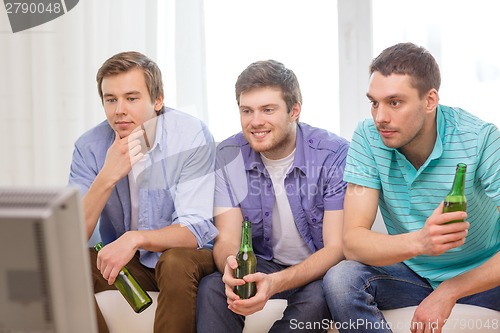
(459,181)
(246,237)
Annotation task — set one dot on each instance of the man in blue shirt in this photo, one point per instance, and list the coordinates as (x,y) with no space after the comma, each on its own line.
(146,174)
(404,160)
(285,177)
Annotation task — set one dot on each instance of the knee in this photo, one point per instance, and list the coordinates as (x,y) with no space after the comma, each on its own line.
(210,286)
(177,263)
(342,277)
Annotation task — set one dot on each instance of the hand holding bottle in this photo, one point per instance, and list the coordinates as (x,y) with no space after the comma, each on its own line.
(438,235)
(127,284)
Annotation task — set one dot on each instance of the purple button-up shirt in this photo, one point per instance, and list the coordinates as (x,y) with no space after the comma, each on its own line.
(313,184)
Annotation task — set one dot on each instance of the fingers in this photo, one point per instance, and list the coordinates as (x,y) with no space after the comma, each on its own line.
(444,218)
(134,135)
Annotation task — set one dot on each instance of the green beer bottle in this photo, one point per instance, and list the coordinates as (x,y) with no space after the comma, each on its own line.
(247,262)
(455,200)
(126,283)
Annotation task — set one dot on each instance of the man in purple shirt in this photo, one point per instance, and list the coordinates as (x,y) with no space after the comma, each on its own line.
(286,178)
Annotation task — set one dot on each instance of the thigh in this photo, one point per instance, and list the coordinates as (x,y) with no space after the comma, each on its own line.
(487,299)
(396,286)
(179,263)
(389,287)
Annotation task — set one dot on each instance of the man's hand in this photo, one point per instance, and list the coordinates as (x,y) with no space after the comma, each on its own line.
(256,303)
(245,307)
(251,305)
(437,237)
(114,256)
(122,155)
(431,315)
(229,280)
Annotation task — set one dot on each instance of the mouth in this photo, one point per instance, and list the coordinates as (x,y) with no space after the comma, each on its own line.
(386,133)
(260,134)
(123,124)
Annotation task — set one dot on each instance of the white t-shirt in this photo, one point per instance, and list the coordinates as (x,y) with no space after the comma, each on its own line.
(288,246)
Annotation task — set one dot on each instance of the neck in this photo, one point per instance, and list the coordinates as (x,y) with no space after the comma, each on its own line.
(420,148)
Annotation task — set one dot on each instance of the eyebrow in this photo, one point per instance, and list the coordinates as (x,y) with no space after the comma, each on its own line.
(390,97)
(133,92)
(259,107)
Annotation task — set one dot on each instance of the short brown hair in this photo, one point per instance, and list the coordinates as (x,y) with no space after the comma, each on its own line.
(270,73)
(125,61)
(412,60)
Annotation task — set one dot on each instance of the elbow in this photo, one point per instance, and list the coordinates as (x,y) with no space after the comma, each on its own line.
(349,248)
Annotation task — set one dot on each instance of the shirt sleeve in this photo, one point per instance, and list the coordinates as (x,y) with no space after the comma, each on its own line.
(335,185)
(195,188)
(83,170)
(231,186)
(488,170)
(361,168)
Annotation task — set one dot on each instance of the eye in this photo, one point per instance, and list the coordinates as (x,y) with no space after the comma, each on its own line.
(374,104)
(395,103)
(245,111)
(267,110)
(111,100)
(131,99)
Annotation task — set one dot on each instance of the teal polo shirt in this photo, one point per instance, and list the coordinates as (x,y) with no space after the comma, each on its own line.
(409,196)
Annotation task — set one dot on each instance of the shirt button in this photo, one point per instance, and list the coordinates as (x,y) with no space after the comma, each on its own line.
(267,239)
(314,220)
(311,140)
(266,213)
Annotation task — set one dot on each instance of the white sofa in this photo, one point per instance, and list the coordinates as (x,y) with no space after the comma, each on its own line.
(122,319)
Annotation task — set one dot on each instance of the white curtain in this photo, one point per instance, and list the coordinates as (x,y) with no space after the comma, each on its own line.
(48,88)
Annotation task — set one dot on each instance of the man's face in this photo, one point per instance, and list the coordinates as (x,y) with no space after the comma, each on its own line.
(127,102)
(265,122)
(397,110)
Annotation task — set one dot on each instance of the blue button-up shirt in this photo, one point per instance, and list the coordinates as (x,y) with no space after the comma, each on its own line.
(176,186)
(313,184)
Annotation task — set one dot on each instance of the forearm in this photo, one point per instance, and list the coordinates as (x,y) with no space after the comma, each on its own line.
(94,201)
(482,278)
(311,269)
(221,251)
(172,236)
(376,249)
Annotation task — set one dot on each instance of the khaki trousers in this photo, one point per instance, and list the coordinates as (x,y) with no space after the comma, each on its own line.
(176,277)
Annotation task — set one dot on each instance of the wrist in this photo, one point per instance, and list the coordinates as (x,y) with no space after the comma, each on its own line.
(276,282)
(106,179)
(449,291)
(135,238)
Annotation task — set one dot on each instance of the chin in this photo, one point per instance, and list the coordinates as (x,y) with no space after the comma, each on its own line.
(260,147)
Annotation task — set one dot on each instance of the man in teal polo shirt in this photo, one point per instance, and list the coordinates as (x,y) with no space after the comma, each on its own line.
(404,161)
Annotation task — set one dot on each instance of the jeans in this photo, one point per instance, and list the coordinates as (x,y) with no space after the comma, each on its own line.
(357,293)
(176,276)
(305,305)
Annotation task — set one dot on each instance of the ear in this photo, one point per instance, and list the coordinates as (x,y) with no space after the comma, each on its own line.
(158,103)
(432,100)
(295,112)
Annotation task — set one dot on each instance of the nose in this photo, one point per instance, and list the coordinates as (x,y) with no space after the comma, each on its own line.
(257,119)
(120,108)
(381,115)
